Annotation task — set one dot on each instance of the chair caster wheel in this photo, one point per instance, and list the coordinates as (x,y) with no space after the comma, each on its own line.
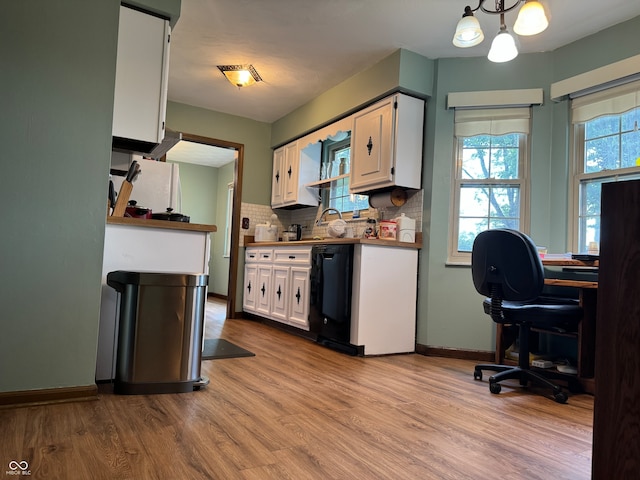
(477,374)
(495,388)
(560,397)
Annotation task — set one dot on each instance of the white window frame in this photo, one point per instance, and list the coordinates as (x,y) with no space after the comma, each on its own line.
(474,122)
(328,156)
(611,101)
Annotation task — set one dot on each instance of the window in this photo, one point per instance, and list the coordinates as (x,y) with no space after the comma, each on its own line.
(490,176)
(607,149)
(336,161)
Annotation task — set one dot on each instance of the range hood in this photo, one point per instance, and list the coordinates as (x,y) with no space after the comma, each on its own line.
(147,149)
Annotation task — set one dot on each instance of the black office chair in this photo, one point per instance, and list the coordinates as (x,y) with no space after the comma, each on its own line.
(506,268)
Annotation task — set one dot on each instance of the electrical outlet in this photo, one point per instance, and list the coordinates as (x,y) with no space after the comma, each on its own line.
(245,223)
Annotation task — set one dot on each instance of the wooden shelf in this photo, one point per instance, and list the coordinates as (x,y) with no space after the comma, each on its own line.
(326,182)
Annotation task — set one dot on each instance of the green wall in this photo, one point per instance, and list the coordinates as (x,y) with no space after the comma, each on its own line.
(57,83)
(403,69)
(255,136)
(58,63)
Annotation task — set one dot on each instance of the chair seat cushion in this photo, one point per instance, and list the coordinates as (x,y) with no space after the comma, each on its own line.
(544,312)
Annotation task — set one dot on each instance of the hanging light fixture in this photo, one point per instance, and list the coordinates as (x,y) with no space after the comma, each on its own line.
(531,21)
(240,75)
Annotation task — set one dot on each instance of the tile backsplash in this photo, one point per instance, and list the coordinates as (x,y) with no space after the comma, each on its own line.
(306,217)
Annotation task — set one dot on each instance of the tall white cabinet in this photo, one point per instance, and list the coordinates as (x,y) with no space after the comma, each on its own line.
(386,144)
(142,73)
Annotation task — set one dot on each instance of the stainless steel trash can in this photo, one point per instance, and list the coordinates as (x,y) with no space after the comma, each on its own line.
(161,317)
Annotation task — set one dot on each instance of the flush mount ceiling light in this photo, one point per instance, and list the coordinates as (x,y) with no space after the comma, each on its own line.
(531,21)
(240,75)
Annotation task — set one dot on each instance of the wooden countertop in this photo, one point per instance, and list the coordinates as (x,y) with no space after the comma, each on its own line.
(249,242)
(167,224)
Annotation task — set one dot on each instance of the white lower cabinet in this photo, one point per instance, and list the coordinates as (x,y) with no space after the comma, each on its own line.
(383,306)
(276,284)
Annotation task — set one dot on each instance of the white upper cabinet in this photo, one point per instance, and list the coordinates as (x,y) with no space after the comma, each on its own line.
(293,168)
(386,145)
(142,72)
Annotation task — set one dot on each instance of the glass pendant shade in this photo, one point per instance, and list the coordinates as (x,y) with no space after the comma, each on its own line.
(503,47)
(531,19)
(240,78)
(468,32)
(240,75)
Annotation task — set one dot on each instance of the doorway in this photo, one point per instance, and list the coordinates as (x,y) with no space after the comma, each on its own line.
(221,152)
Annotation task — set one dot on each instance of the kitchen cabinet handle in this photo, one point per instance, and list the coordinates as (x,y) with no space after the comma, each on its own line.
(292,257)
(369,146)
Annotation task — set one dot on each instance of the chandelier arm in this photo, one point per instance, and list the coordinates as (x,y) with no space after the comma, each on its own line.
(500,8)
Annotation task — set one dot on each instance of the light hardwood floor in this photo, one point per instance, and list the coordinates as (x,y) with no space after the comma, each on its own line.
(300,411)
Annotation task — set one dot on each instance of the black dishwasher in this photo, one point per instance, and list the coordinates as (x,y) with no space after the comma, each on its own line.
(330,297)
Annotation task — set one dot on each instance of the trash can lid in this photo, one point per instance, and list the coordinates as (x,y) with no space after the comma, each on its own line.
(119,278)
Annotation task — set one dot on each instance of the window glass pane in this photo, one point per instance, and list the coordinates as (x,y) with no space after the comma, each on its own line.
(602,126)
(475,163)
(602,154)
(468,229)
(336,161)
(505,202)
(474,201)
(630,121)
(504,163)
(486,207)
(630,149)
(486,156)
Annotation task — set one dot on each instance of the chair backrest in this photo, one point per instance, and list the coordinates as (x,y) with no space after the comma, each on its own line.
(506,261)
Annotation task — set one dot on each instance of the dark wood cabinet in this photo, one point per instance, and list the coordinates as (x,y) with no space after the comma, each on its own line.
(616,424)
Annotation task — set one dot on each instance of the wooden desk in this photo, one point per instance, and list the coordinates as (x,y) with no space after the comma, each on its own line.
(586,335)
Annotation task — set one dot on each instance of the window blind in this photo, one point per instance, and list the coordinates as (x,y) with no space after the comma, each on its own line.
(613,101)
(498,121)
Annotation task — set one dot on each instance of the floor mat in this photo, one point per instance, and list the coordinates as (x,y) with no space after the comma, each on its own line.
(215,348)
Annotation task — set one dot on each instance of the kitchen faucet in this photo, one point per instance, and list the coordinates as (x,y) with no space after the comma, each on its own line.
(330,209)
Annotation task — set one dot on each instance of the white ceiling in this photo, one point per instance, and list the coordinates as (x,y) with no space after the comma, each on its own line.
(302,48)
(200,154)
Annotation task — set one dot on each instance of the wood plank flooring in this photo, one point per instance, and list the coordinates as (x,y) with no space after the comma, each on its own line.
(301,411)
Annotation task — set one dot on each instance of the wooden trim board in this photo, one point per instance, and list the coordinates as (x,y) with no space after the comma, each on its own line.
(49,395)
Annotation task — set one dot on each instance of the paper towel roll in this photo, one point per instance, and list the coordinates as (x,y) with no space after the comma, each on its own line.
(395,198)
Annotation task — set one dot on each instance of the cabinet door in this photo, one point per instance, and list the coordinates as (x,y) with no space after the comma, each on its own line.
(142,72)
(278,178)
(280,293)
(291,168)
(299,297)
(372,146)
(263,301)
(250,288)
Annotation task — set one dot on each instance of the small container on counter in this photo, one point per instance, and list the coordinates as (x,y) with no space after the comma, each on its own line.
(370,230)
(406,228)
(387,230)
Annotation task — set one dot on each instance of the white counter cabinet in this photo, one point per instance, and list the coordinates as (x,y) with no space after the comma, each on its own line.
(145,246)
(383,306)
(276,284)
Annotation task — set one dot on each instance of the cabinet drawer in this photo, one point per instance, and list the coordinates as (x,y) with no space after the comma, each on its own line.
(258,255)
(292,256)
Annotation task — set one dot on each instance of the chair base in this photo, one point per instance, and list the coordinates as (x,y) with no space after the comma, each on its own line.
(523,375)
